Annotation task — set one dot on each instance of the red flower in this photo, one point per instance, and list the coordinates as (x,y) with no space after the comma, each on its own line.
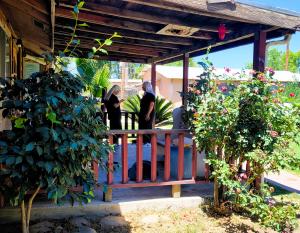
(198,92)
(224,88)
(273,133)
(292,94)
(227,69)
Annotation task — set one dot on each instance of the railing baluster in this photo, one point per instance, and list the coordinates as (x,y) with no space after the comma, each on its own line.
(153,157)
(194,160)
(139,158)
(206,171)
(132,120)
(110,162)
(180,156)
(167,156)
(124,158)
(126,120)
(96,171)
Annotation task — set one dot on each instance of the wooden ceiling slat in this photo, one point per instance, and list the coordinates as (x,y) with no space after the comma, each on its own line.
(142,16)
(114,48)
(89,17)
(60,32)
(91,41)
(133,35)
(28,9)
(241,12)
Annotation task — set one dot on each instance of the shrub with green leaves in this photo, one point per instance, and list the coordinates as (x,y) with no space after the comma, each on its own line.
(163,109)
(55,137)
(250,123)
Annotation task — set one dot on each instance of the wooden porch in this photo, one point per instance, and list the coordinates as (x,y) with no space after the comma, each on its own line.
(153,32)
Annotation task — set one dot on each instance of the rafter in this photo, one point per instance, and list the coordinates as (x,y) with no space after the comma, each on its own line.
(141,16)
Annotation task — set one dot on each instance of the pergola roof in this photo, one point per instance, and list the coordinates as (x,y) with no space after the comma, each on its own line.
(141,22)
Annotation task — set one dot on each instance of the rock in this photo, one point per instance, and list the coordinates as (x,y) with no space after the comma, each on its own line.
(150,219)
(42,227)
(79,222)
(86,230)
(59,229)
(111,222)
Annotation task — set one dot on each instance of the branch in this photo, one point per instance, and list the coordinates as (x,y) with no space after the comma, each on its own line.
(30,204)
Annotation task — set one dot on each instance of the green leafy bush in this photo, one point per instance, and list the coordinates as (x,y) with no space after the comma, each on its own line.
(163,109)
(250,123)
(54,139)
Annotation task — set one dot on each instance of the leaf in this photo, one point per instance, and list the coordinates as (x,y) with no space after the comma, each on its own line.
(19,160)
(83,25)
(29,159)
(52,117)
(80,4)
(103,51)
(10,160)
(94,49)
(19,123)
(99,41)
(91,55)
(29,146)
(108,42)
(49,166)
(39,150)
(116,35)
(75,9)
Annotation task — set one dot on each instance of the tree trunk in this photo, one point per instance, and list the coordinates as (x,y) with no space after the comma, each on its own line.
(26,212)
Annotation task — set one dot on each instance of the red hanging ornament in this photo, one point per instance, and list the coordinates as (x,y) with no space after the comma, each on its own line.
(222,31)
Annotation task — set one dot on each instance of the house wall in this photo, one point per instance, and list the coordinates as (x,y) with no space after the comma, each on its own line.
(8,58)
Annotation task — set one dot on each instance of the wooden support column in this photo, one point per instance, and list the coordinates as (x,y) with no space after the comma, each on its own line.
(259,51)
(259,65)
(153,76)
(185,81)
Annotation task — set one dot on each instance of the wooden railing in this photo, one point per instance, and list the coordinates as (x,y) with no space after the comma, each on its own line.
(129,119)
(166,179)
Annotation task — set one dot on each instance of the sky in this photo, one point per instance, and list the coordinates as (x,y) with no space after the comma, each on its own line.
(240,56)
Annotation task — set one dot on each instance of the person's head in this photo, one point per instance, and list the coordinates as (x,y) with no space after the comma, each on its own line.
(114,90)
(147,87)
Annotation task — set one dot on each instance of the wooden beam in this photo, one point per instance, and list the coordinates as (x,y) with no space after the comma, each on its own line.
(36,4)
(63,37)
(110,57)
(114,48)
(89,17)
(96,29)
(61,31)
(28,9)
(259,51)
(241,13)
(153,76)
(185,79)
(52,23)
(141,15)
(245,33)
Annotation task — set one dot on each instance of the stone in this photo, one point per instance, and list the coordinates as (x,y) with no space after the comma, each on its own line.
(86,230)
(79,222)
(42,227)
(150,219)
(111,222)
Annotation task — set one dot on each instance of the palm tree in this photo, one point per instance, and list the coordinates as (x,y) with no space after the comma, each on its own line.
(95,74)
(163,109)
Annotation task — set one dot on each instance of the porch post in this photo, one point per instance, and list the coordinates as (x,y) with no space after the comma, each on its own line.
(259,56)
(185,81)
(259,51)
(153,76)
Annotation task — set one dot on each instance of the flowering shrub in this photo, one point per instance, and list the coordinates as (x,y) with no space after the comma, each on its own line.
(250,123)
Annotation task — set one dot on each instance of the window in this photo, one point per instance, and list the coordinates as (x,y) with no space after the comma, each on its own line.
(4,54)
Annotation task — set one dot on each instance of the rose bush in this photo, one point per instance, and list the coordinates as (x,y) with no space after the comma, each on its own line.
(248,124)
